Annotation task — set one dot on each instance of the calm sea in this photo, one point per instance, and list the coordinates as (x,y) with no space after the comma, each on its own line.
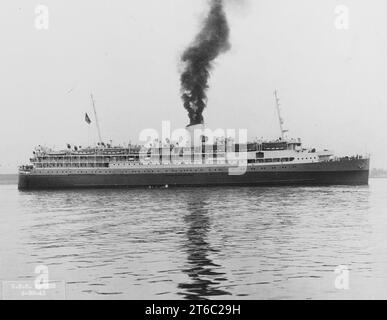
(202,243)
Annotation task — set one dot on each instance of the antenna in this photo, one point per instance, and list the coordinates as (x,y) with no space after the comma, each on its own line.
(96,119)
(280,120)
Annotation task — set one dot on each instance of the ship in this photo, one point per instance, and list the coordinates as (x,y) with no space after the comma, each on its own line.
(199,161)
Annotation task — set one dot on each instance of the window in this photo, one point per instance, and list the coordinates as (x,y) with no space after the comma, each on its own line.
(259,155)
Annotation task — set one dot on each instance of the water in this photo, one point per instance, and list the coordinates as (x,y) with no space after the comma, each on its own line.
(209,243)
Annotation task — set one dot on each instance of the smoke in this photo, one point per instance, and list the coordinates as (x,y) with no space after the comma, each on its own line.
(211,41)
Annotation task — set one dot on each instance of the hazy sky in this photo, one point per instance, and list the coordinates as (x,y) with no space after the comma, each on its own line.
(332,83)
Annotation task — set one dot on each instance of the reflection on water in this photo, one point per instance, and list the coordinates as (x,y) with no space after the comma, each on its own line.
(201,269)
(199,243)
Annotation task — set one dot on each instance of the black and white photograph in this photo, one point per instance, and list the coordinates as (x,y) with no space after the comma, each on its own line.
(185,150)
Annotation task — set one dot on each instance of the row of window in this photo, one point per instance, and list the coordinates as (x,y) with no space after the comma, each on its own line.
(259,159)
(269,160)
(71,165)
(102,165)
(156,171)
(127,172)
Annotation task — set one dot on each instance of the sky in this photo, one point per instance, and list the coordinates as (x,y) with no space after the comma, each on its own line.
(332,82)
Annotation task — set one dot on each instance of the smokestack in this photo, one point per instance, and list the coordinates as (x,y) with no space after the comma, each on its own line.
(210,42)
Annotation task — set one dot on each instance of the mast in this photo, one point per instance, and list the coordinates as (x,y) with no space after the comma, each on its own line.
(280,119)
(96,119)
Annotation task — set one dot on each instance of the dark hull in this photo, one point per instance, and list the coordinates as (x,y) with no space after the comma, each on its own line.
(350,172)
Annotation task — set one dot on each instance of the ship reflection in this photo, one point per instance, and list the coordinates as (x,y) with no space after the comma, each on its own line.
(205,277)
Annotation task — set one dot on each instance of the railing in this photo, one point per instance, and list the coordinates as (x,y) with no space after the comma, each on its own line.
(25,168)
(347,158)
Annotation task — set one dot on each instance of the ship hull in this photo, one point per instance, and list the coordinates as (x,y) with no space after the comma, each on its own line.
(348,172)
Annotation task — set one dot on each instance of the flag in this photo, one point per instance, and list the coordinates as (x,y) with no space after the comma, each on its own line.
(87,119)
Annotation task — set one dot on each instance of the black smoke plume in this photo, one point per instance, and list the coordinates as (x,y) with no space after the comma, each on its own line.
(211,41)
